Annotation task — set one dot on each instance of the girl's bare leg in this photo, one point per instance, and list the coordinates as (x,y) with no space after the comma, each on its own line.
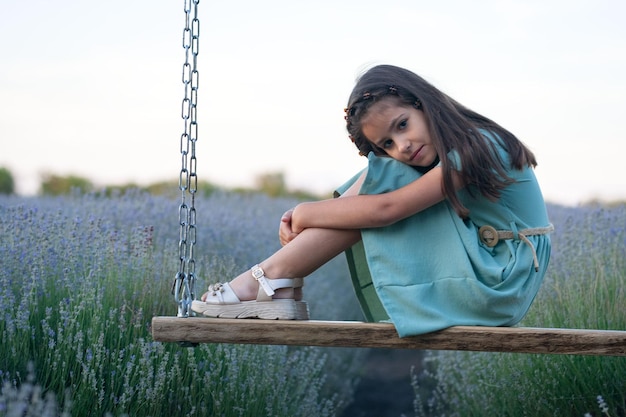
(304,254)
(307,252)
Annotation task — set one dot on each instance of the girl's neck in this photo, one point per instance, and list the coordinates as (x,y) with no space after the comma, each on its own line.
(424,170)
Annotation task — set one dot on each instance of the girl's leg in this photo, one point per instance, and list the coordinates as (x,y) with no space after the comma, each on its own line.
(307,252)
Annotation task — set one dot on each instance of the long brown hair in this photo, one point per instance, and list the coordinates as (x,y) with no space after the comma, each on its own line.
(451,125)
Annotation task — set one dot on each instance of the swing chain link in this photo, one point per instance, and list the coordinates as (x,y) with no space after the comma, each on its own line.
(184,281)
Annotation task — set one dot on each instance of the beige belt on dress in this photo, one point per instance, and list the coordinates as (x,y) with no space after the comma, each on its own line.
(490,237)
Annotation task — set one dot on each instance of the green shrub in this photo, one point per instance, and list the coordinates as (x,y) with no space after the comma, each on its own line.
(7,184)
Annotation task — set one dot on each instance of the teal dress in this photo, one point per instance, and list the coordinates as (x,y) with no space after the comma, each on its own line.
(431,270)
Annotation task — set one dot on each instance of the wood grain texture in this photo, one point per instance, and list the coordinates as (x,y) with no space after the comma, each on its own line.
(383,335)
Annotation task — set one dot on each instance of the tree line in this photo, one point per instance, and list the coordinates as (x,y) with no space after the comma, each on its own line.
(272,184)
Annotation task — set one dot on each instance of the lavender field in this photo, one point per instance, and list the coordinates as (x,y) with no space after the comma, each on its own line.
(82,275)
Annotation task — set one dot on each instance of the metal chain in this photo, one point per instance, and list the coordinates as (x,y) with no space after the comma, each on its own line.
(184,282)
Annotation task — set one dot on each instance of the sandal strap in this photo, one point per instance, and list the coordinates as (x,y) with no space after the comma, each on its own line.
(259,275)
(224,293)
(275,284)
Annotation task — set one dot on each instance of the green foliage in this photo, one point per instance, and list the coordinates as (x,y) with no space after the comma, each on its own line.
(7,185)
(272,184)
(28,399)
(52,184)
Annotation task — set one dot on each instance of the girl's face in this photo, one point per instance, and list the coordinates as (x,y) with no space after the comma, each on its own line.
(400,131)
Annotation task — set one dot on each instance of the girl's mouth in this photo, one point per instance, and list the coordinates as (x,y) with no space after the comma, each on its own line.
(416,153)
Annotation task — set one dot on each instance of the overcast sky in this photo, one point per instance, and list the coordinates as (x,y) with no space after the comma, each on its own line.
(94,88)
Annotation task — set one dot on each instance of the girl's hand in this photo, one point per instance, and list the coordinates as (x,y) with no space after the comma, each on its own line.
(285,232)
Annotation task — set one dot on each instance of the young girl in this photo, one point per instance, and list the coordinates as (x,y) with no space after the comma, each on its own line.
(446,226)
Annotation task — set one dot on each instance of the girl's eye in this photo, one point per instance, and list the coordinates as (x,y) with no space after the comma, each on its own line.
(403,124)
(387,144)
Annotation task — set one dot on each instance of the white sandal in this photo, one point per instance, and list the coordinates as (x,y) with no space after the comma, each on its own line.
(223,302)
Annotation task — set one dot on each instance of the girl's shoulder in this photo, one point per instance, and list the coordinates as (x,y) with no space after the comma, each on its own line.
(492,139)
(497,145)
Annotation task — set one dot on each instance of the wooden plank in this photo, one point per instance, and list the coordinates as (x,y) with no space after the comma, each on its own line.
(383,335)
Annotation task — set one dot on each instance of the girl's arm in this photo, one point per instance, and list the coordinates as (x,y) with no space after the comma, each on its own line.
(365,211)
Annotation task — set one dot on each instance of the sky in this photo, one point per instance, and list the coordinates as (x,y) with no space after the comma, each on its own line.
(94,88)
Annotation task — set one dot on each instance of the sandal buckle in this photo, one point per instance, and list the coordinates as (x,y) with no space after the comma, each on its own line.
(216,288)
(259,275)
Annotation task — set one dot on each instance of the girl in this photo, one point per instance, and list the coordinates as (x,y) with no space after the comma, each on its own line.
(446,226)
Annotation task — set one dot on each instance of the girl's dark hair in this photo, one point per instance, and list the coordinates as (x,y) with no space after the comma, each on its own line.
(451,125)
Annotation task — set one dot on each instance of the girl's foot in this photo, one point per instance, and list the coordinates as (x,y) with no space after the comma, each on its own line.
(259,297)
(247,289)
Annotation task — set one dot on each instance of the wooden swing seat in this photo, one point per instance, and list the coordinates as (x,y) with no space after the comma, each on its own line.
(195,330)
